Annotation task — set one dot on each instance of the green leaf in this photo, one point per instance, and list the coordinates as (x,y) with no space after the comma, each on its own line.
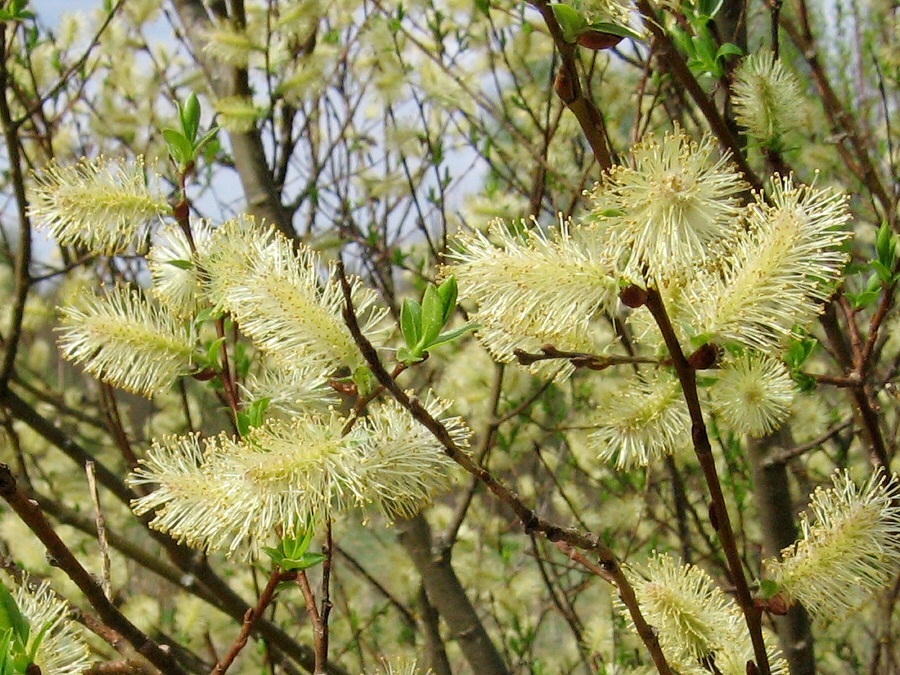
(613,29)
(180,148)
(7,659)
(728,49)
(432,318)
(448,292)
(451,335)
(886,246)
(483,6)
(11,617)
(404,355)
(292,553)
(190,117)
(206,138)
(256,411)
(181,264)
(799,351)
(768,588)
(569,20)
(213,352)
(364,380)
(885,275)
(411,322)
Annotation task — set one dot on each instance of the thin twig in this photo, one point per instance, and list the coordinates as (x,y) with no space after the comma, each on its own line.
(29,512)
(251,616)
(100,521)
(531,521)
(703,450)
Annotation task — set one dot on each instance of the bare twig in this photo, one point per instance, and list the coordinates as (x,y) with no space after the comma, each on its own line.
(703,450)
(531,521)
(62,557)
(251,617)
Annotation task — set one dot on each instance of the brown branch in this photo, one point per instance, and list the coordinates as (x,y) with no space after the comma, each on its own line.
(789,453)
(251,616)
(581,359)
(23,255)
(703,450)
(842,122)
(617,578)
(675,63)
(531,521)
(29,512)
(569,89)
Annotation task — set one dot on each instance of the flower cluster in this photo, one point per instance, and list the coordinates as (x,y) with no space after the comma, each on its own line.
(734,270)
(53,642)
(849,548)
(290,474)
(767,99)
(698,625)
(101,205)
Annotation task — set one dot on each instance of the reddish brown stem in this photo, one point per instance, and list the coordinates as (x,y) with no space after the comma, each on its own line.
(703,450)
(29,512)
(251,616)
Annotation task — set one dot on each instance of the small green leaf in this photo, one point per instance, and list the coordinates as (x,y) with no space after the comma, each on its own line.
(180,148)
(448,292)
(257,410)
(206,138)
(483,6)
(432,318)
(364,380)
(799,351)
(404,355)
(181,264)
(292,553)
(570,21)
(886,246)
(190,117)
(11,617)
(213,352)
(805,383)
(613,29)
(884,273)
(768,588)
(411,322)
(451,335)
(729,49)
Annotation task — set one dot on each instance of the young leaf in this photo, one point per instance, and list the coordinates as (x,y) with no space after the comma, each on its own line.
(570,21)
(190,117)
(448,291)
(11,617)
(180,148)
(411,322)
(451,335)
(886,246)
(432,317)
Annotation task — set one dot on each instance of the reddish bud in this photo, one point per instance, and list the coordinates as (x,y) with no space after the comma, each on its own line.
(778,605)
(595,40)
(205,375)
(633,296)
(705,357)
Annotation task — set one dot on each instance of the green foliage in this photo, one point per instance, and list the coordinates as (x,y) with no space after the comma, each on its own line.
(16,11)
(184,145)
(293,553)
(421,324)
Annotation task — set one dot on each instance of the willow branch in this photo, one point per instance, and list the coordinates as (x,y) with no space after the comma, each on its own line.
(531,521)
(251,617)
(62,557)
(703,450)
